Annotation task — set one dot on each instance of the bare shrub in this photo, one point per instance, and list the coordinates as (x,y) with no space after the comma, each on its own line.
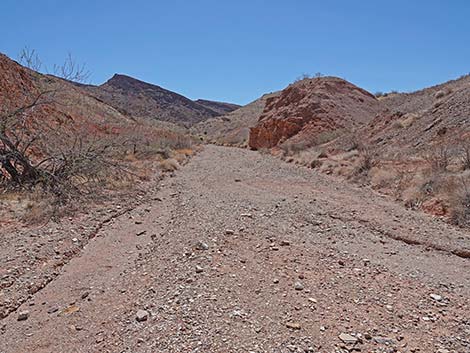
(464,150)
(383,178)
(291,148)
(439,94)
(407,121)
(368,159)
(61,161)
(351,142)
(169,165)
(379,94)
(438,159)
(460,204)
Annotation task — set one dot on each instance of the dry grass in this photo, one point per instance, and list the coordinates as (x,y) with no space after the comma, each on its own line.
(169,165)
(407,121)
(99,167)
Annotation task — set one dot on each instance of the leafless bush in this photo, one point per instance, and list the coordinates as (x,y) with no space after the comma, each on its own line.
(438,159)
(29,58)
(367,160)
(460,204)
(464,149)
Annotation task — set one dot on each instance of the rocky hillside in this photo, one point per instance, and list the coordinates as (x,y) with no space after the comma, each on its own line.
(312,110)
(59,103)
(234,127)
(413,121)
(136,98)
(219,107)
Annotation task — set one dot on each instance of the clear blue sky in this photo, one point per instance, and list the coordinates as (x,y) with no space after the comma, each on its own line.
(237,50)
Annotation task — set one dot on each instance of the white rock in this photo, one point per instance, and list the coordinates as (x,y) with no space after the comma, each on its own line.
(23,315)
(347,338)
(142,315)
(436,297)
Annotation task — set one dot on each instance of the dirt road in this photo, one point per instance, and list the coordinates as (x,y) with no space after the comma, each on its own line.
(241,252)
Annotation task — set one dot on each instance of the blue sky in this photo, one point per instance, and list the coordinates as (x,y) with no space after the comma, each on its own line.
(237,50)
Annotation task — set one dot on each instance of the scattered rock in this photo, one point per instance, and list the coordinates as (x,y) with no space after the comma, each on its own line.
(298,286)
(382,340)
(199,269)
(293,325)
(52,310)
(202,246)
(23,315)
(229,232)
(348,339)
(142,315)
(436,297)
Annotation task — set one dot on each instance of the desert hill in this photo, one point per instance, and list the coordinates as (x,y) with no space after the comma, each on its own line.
(234,127)
(309,109)
(219,107)
(413,122)
(140,99)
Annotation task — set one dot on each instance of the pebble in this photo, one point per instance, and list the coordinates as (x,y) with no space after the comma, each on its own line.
(142,315)
(298,286)
(436,297)
(382,340)
(202,246)
(23,315)
(293,325)
(53,310)
(347,338)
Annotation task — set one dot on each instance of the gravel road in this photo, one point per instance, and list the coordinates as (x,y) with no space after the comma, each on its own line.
(241,252)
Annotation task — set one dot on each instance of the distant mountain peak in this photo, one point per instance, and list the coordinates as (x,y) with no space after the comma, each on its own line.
(134,97)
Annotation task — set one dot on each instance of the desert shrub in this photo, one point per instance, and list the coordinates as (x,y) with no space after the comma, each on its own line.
(439,94)
(438,159)
(460,204)
(291,148)
(351,142)
(311,157)
(408,120)
(368,159)
(382,177)
(464,151)
(169,165)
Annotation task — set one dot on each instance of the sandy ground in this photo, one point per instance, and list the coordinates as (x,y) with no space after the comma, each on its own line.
(241,252)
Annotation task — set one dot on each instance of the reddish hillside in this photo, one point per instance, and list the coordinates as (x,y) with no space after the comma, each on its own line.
(60,101)
(309,108)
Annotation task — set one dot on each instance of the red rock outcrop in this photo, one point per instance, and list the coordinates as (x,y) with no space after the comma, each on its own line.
(308,108)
